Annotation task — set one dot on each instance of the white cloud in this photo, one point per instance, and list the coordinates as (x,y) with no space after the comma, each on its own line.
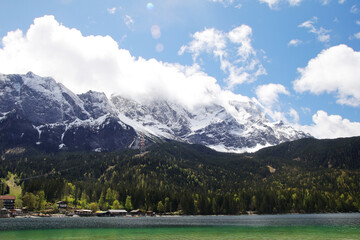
(85,63)
(226,3)
(334,70)
(341,1)
(306,110)
(358,22)
(242,36)
(354,9)
(209,41)
(357,35)
(325,2)
(331,126)
(269,94)
(111,10)
(242,67)
(294,115)
(273,4)
(294,42)
(129,21)
(321,33)
(268,99)
(295,2)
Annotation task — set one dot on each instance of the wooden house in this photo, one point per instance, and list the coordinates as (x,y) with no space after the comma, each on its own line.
(84,212)
(8,201)
(135,213)
(62,204)
(4,213)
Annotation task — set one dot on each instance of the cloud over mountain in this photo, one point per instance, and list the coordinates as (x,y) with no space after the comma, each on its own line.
(85,63)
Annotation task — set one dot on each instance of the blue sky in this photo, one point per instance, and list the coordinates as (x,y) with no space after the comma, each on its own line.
(297,59)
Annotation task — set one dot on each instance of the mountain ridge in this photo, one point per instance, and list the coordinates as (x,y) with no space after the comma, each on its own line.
(67,121)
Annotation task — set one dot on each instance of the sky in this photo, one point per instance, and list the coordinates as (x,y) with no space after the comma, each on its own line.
(299,60)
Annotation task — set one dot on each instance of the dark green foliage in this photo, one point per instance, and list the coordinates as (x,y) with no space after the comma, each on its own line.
(310,176)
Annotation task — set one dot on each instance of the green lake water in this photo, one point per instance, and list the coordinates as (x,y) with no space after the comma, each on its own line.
(317,226)
(191,233)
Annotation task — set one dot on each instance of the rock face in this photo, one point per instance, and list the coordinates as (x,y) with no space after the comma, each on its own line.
(41,112)
(46,114)
(239,126)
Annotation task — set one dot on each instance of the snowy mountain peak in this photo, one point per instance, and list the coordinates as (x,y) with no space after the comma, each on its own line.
(49,114)
(231,126)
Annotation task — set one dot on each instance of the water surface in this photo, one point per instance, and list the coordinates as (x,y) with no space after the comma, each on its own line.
(292,226)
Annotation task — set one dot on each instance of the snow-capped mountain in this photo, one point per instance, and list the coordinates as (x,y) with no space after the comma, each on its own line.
(45,113)
(238,126)
(40,111)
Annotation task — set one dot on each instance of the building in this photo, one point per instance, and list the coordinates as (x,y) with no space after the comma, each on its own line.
(4,213)
(62,204)
(120,212)
(8,201)
(84,213)
(135,213)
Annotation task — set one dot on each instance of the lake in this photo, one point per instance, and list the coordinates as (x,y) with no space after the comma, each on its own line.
(289,226)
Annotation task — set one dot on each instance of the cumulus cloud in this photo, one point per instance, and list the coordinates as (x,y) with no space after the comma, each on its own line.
(321,33)
(331,126)
(341,1)
(242,67)
(334,70)
(294,42)
(85,63)
(269,94)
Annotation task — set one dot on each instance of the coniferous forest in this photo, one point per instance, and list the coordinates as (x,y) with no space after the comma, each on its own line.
(304,176)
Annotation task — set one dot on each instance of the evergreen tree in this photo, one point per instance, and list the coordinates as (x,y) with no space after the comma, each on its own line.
(128,204)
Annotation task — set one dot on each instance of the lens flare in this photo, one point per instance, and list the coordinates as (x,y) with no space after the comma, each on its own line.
(155,31)
(149,6)
(159,47)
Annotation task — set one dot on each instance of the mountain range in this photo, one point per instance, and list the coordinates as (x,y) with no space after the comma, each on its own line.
(43,113)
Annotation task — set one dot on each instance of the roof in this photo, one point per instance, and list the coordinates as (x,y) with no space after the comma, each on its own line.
(2,197)
(117,211)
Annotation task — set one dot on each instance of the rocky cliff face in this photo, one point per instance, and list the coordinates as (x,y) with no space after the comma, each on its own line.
(238,126)
(44,113)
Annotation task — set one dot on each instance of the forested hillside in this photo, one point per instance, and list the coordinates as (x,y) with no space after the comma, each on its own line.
(307,175)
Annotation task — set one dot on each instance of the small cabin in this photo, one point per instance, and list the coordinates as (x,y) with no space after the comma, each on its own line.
(62,204)
(4,213)
(8,201)
(83,212)
(150,213)
(135,212)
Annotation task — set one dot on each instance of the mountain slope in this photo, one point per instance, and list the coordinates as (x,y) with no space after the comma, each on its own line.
(236,126)
(39,111)
(198,180)
(92,122)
